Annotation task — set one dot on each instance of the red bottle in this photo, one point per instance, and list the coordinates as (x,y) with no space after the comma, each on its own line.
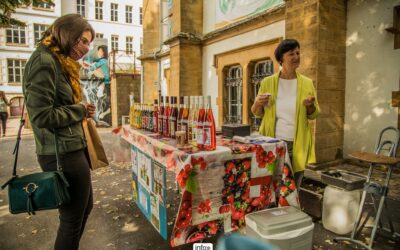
(161,116)
(166,117)
(200,119)
(155,116)
(179,124)
(173,117)
(209,137)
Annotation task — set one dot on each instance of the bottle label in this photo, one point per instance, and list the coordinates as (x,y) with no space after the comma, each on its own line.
(172,128)
(207,136)
(199,136)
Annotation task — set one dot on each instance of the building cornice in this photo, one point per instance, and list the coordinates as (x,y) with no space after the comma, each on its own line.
(154,56)
(184,37)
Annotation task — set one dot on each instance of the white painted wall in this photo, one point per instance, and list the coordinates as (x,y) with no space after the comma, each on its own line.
(372,73)
(210,79)
(208,16)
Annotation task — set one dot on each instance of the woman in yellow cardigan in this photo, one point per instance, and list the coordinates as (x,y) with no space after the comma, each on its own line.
(286,101)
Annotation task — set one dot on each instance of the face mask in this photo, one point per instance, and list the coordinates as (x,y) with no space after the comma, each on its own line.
(79,50)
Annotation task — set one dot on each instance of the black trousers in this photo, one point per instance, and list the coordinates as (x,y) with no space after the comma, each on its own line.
(3,117)
(74,215)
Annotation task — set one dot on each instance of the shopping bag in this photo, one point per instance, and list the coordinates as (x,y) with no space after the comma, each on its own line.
(97,155)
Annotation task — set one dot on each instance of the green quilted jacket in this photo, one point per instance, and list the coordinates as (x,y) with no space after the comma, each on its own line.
(50,105)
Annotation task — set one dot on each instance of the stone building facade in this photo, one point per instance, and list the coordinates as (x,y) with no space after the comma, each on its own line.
(187,51)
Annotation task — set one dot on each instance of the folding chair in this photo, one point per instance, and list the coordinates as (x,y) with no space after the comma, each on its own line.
(375,189)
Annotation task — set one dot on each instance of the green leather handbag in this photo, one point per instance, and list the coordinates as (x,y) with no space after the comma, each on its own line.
(38,191)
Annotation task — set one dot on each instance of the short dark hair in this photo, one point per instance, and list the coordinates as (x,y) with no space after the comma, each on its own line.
(67,30)
(285,46)
(104,48)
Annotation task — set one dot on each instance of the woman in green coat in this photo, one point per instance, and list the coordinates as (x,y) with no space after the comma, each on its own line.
(286,101)
(52,95)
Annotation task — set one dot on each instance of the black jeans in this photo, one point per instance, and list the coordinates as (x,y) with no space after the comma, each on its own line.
(74,215)
(3,117)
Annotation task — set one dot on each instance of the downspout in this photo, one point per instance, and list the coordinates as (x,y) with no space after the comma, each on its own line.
(159,50)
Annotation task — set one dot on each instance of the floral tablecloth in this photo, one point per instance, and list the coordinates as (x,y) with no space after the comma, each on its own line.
(218,187)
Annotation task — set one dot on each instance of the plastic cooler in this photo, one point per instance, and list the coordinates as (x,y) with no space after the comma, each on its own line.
(285,227)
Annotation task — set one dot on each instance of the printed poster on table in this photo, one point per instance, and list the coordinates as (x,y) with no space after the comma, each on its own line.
(134,160)
(155,212)
(144,170)
(159,181)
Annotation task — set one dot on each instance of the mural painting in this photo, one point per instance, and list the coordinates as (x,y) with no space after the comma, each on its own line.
(95,81)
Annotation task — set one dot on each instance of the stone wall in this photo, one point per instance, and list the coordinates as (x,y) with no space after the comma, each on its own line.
(320,27)
(122,86)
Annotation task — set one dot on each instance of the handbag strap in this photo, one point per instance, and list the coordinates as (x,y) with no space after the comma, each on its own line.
(16,149)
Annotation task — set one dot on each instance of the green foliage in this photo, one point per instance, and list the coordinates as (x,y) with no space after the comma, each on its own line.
(7,8)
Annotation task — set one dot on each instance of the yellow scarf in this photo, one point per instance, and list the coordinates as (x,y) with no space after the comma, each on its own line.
(69,66)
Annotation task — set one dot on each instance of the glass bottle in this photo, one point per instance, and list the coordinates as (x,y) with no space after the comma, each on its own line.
(166,117)
(161,116)
(209,138)
(173,117)
(155,116)
(184,119)
(193,120)
(200,120)
(180,112)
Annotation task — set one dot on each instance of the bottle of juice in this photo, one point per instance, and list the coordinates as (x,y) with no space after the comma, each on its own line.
(200,119)
(173,117)
(161,116)
(178,124)
(184,119)
(166,117)
(209,138)
(155,116)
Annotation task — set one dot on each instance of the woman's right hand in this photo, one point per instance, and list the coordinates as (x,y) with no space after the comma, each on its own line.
(90,110)
(263,99)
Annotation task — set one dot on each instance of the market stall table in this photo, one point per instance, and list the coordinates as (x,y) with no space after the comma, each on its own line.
(218,187)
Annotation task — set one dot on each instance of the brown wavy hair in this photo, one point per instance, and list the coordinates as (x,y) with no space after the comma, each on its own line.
(66,31)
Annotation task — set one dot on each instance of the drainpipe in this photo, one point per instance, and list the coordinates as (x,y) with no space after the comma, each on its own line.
(161,43)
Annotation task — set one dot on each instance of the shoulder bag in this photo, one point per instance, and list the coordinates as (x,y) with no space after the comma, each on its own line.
(38,191)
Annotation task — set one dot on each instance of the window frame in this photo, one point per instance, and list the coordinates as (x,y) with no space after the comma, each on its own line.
(99,35)
(141,16)
(233,81)
(37,39)
(98,10)
(130,50)
(81,7)
(114,42)
(128,14)
(21,67)
(42,6)
(12,29)
(114,12)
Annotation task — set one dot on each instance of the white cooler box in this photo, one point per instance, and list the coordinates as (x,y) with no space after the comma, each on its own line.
(285,227)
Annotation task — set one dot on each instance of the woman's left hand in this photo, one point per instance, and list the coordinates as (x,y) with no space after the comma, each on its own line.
(309,101)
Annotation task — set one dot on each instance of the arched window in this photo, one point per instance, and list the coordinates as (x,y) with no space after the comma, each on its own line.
(261,70)
(233,95)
